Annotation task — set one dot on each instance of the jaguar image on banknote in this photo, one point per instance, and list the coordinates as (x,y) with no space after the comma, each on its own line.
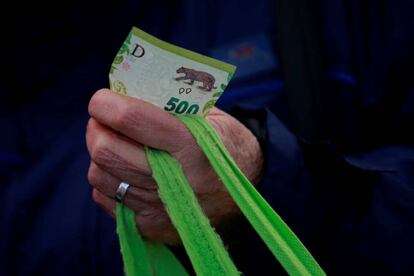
(175,79)
(205,78)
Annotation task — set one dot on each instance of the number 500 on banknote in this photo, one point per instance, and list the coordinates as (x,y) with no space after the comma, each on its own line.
(175,79)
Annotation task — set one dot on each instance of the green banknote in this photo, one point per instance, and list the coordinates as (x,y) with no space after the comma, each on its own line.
(175,79)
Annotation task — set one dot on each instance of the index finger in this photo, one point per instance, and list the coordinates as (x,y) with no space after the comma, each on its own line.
(139,120)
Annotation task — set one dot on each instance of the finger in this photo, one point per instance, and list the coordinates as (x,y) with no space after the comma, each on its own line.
(157,227)
(135,198)
(154,226)
(118,155)
(105,202)
(139,120)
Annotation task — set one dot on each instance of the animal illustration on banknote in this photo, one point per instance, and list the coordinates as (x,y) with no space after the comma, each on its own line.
(190,74)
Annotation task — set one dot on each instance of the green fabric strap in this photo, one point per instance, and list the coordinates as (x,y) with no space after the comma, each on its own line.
(132,246)
(281,241)
(203,245)
(163,261)
(141,257)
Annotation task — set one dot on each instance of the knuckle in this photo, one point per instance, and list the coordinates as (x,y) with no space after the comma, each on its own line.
(95,100)
(90,125)
(96,197)
(94,176)
(148,195)
(129,117)
(158,227)
(91,131)
(101,151)
(148,226)
(102,90)
(144,225)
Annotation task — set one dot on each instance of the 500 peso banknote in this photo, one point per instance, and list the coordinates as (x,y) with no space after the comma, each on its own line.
(175,79)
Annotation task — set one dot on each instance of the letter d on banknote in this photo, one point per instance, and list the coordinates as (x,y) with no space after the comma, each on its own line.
(175,79)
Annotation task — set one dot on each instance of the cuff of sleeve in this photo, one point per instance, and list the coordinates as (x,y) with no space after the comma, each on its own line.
(283,165)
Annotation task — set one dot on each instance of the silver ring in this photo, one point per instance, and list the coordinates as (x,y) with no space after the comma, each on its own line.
(121,191)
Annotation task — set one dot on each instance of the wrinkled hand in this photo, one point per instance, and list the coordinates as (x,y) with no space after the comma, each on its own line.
(117,130)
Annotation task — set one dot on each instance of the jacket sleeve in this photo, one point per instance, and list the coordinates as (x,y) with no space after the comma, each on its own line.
(354,213)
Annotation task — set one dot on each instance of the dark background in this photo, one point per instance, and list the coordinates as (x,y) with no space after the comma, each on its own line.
(341,73)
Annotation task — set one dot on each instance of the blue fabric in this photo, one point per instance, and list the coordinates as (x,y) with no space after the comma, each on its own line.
(350,199)
(51,225)
(354,213)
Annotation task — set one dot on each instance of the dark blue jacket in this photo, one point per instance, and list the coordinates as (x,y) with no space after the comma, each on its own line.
(350,198)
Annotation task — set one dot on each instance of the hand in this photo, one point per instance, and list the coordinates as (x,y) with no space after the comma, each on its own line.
(117,131)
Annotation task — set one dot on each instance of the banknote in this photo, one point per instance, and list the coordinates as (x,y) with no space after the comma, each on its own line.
(175,79)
